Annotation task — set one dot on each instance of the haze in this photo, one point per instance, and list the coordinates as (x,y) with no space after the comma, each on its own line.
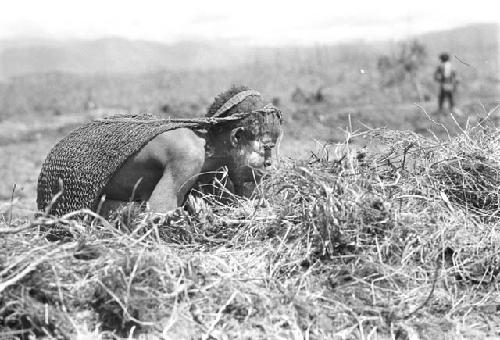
(256,22)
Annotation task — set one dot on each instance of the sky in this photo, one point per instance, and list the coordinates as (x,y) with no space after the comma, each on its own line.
(255,22)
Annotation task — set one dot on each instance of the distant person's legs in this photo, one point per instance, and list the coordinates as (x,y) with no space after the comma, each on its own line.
(448,96)
(451,101)
(441,97)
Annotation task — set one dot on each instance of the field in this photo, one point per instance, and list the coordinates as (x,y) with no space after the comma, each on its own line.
(381,221)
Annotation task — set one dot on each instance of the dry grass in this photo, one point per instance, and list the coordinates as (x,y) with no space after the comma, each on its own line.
(396,243)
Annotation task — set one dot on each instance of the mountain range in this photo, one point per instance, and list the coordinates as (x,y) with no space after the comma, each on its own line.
(118,55)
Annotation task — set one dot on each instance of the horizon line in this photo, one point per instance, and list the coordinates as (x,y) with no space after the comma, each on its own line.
(236,41)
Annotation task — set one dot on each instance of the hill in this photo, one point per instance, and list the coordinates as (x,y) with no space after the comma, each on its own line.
(117,55)
(464,39)
(110,55)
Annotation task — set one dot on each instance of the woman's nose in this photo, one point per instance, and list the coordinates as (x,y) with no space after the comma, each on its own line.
(267,163)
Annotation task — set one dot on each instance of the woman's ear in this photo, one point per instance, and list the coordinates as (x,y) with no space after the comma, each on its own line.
(236,136)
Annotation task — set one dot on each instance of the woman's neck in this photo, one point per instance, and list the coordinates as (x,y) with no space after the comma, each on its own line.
(216,155)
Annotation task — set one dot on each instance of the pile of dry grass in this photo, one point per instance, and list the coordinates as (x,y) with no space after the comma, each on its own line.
(464,170)
(348,244)
(469,174)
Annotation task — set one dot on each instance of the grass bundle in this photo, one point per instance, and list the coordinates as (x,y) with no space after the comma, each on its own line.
(469,173)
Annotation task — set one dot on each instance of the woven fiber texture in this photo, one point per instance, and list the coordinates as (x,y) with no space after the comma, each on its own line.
(85,160)
(235,100)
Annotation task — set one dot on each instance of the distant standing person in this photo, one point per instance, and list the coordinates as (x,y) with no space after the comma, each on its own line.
(446,77)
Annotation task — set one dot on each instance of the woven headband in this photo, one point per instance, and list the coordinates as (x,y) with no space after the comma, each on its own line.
(235,100)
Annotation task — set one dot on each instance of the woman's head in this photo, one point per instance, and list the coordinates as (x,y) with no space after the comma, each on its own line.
(247,143)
